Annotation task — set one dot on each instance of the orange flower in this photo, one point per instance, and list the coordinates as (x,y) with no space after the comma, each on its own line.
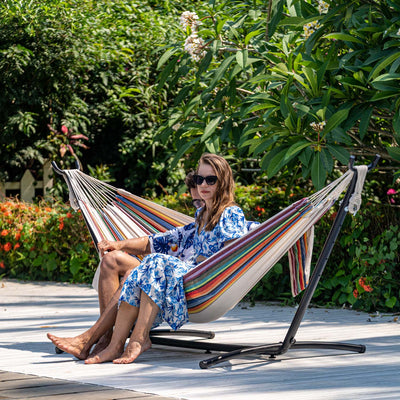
(2,264)
(17,245)
(61,225)
(17,236)
(361,281)
(355,293)
(69,215)
(7,246)
(364,285)
(48,209)
(4,232)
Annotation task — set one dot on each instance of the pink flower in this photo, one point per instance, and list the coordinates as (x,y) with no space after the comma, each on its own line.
(64,130)
(391,191)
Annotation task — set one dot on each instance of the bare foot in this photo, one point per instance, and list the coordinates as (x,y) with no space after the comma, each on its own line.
(108,354)
(133,351)
(75,345)
(101,344)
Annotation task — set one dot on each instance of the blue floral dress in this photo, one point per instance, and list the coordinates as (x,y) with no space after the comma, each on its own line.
(160,276)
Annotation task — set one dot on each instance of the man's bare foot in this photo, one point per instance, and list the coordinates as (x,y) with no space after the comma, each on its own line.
(101,344)
(133,351)
(108,354)
(75,345)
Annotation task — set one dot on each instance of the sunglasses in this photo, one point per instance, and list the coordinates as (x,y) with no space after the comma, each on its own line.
(198,203)
(210,180)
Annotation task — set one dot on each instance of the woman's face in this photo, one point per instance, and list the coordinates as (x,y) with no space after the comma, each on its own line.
(207,192)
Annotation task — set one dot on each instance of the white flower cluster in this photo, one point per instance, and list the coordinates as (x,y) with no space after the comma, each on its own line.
(323,7)
(190,19)
(194,44)
(310,28)
(318,126)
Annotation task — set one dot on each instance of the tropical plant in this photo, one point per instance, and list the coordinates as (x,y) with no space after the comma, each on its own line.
(296,84)
(76,69)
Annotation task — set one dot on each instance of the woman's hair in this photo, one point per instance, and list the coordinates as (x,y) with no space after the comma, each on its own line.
(224,193)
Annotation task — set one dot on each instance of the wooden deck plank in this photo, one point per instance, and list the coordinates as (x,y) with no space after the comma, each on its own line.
(29,310)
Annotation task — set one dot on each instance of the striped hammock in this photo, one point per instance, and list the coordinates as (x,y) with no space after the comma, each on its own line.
(217,284)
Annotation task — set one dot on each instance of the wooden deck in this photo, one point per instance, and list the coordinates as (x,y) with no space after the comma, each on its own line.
(29,310)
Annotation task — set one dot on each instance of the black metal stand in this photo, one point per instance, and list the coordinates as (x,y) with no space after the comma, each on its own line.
(289,342)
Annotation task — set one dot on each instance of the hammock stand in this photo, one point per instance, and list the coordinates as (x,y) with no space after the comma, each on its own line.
(231,351)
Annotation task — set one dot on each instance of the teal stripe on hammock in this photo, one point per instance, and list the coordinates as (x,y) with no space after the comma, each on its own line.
(229,262)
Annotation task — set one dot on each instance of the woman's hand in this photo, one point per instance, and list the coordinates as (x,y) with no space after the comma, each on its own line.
(107,245)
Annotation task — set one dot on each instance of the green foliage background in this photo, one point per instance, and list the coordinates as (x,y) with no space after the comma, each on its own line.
(89,66)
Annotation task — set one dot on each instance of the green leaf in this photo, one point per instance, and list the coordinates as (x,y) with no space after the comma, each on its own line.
(264,145)
(182,150)
(210,128)
(335,120)
(390,303)
(276,17)
(277,162)
(192,103)
(318,172)
(327,160)
(394,152)
(383,64)
(165,57)
(251,35)
(396,124)
(343,36)
(364,122)
(166,74)
(297,147)
(340,153)
(387,82)
(221,71)
(241,58)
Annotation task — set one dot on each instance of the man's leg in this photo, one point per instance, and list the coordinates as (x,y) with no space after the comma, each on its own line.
(113,266)
(79,346)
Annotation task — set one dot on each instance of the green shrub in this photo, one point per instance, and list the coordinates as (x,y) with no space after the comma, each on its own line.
(44,242)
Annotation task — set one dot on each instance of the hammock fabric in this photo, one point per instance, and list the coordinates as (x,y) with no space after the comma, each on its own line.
(216,285)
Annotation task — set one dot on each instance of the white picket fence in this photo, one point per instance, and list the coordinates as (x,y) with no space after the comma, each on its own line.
(27,185)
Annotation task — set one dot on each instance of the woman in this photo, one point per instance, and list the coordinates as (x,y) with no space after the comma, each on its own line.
(154,290)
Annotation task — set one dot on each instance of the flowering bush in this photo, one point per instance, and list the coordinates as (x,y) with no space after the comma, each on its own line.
(44,242)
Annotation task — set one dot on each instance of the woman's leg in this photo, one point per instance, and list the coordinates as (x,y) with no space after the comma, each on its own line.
(139,341)
(126,317)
